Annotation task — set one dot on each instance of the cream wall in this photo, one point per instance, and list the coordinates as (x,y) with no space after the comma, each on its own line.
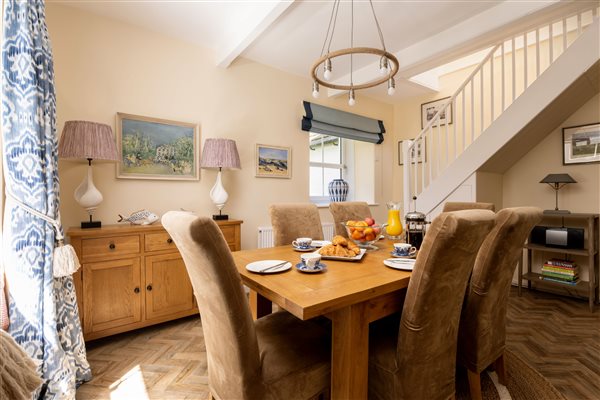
(103,67)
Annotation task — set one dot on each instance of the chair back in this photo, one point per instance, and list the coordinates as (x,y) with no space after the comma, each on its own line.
(294,220)
(426,349)
(346,211)
(482,330)
(234,369)
(465,205)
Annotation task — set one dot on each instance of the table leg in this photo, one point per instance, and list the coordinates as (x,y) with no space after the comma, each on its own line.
(520,275)
(349,353)
(259,305)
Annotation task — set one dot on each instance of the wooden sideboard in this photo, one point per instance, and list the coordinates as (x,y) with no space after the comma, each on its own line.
(133,276)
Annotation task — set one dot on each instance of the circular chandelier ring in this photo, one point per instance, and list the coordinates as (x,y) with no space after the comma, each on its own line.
(355,50)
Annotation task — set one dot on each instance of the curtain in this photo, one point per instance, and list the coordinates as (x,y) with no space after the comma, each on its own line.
(329,121)
(44,318)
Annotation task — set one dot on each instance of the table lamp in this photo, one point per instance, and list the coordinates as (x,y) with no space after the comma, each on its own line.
(557,182)
(219,153)
(91,141)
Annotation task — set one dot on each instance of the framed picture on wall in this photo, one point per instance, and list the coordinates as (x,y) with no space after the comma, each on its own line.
(421,152)
(273,161)
(581,144)
(428,111)
(152,148)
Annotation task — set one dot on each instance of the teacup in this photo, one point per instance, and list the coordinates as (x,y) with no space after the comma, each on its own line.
(302,243)
(404,249)
(311,260)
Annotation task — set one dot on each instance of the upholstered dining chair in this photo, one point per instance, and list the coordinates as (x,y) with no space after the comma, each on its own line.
(277,356)
(482,331)
(414,356)
(465,205)
(294,220)
(346,211)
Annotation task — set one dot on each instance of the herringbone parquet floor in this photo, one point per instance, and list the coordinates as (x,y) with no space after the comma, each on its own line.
(556,335)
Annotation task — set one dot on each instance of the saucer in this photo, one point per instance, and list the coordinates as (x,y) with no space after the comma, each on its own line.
(304,249)
(319,268)
(410,257)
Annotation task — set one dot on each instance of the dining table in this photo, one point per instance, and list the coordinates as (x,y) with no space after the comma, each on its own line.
(351,294)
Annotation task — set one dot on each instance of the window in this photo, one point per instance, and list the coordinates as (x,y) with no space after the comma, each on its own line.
(326,156)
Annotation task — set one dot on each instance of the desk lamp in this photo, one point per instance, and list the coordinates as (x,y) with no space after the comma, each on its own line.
(219,153)
(91,141)
(557,182)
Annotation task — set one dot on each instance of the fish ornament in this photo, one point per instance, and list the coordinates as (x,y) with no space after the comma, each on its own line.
(141,217)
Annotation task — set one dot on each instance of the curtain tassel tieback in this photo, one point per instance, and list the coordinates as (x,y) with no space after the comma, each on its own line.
(65,261)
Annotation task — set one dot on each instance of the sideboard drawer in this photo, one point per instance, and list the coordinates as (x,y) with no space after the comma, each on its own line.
(158,241)
(110,246)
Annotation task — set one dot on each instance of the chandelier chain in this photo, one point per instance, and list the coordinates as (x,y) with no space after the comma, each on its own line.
(378,27)
(333,19)
(351,40)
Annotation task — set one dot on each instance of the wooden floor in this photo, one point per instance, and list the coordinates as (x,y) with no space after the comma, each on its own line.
(557,335)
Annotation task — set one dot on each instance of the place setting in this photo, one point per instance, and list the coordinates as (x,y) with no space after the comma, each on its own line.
(269,266)
(303,244)
(404,255)
(310,263)
(404,250)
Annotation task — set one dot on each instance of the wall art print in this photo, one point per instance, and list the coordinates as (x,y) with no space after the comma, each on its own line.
(581,144)
(273,161)
(153,148)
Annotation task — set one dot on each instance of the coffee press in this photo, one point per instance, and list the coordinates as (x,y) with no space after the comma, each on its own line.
(415,226)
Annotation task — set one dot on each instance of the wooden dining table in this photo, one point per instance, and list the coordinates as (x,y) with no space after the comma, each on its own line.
(350,293)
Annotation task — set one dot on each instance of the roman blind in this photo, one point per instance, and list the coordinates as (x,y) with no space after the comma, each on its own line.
(329,121)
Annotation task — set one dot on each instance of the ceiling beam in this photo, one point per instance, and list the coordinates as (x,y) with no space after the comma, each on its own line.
(225,58)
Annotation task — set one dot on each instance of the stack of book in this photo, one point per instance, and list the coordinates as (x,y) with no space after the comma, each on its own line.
(561,271)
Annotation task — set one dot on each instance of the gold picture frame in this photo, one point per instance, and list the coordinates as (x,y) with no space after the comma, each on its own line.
(273,161)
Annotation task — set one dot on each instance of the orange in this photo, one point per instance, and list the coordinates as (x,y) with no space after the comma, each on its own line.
(357,235)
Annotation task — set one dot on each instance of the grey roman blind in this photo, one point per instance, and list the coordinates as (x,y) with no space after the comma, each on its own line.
(329,121)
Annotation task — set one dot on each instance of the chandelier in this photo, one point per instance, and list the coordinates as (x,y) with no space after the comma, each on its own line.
(388,63)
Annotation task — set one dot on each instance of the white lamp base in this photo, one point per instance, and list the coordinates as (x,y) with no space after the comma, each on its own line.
(219,196)
(89,197)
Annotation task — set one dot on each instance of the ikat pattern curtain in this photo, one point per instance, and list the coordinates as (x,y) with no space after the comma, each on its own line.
(44,318)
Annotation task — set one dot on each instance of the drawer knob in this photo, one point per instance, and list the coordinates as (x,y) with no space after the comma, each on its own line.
(136,290)
(149,288)
(169,240)
(112,246)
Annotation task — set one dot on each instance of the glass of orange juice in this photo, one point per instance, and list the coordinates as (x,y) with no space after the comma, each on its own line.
(394,224)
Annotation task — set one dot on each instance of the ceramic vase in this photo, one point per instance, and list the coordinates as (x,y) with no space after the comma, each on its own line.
(338,190)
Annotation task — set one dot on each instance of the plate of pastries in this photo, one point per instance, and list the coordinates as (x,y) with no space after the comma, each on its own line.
(341,249)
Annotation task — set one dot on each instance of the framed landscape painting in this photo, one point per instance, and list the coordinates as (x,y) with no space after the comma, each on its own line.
(273,161)
(581,144)
(152,148)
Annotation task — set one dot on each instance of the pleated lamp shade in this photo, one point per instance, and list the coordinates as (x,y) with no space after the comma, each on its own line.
(91,140)
(220,153)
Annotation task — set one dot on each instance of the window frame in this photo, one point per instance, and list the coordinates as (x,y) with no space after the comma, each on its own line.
(323,165)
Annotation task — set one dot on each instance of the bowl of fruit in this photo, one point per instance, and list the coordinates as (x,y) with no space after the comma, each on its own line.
(364,233)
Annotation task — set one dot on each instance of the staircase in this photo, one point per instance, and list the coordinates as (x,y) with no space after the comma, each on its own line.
(510,101)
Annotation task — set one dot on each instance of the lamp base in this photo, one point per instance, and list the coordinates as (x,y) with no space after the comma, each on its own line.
(91,224)
(557,212)
(220,217)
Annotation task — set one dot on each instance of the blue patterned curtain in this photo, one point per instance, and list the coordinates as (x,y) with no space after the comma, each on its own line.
(44,318)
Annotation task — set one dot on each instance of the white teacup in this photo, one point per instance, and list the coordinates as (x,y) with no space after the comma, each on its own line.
(311,260)
(404,249)
(303,242)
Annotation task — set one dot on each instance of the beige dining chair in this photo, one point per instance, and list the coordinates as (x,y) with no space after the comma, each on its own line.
(482,332)
(348,211)
(294,220)
(414,356)
(465,205)
(275,357)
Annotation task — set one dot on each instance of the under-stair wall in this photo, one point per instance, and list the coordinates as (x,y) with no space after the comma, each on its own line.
(501,129)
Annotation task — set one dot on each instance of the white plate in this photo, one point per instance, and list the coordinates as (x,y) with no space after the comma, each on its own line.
(311,248)
(260,266)
(320,243)
(357,257)
(402,264)
(302,268)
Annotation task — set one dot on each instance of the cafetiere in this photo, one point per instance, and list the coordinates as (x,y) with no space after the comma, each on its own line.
(415,226)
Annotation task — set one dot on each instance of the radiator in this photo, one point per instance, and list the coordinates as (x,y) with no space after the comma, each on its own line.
(265,234)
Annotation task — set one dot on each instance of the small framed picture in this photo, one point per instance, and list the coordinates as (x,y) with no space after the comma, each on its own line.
(421,152)
(152,148)
(273,161)
(428,111)
(581,144)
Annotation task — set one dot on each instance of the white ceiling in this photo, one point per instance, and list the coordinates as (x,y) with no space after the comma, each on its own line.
(288,35)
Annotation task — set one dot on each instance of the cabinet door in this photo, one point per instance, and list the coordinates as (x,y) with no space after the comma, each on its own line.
(168,287)
(112,294)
